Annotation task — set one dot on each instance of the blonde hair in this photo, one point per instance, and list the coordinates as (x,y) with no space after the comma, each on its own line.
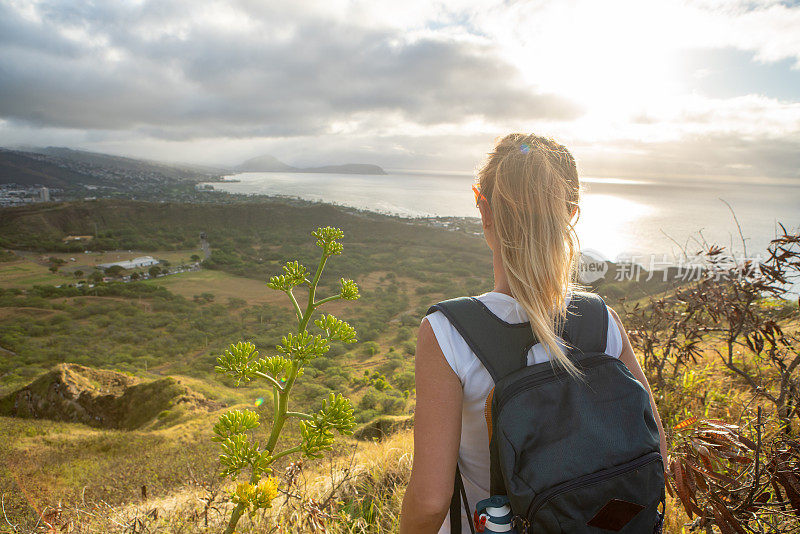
(532,186)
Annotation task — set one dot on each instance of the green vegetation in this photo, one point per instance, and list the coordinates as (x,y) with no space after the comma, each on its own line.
(250,239)
(164,335)
(241,362)
(132,327)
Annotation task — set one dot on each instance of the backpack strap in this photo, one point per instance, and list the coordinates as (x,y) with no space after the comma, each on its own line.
(586,326)
(503,347)
(459,496)
(500,346)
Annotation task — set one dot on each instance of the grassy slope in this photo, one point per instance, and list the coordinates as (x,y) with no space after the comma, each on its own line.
(401,267)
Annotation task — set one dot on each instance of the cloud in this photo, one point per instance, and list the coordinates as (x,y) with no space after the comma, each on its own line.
(696,156)
(422,83)
(181,71)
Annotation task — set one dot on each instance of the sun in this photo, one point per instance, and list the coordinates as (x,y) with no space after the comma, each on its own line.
(600,56)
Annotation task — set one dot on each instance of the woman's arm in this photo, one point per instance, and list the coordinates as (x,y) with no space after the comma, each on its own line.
(437,434)
(630,361)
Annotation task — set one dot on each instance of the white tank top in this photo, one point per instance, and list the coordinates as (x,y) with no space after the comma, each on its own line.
(473,452)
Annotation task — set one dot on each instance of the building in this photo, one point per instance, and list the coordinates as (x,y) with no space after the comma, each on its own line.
(135,263)
(44,194)
(71,238)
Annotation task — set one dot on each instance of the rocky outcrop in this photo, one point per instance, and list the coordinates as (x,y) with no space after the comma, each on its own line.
(100,398)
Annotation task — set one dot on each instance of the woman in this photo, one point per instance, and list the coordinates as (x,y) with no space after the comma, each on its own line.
(527,193)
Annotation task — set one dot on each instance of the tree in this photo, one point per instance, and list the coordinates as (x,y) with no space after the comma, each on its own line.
(734,298)
(743,477)
(135,275)
(241,361)
(195,258)
(115,271)
(96,277)
(78,273)
(204,297)
(154,271)
(741,480)
(236,302)
(55,263)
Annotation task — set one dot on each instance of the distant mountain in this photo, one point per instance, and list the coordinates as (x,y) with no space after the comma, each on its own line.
(60,167)
(267,163)
(30,169)
(65,167)
(175,171)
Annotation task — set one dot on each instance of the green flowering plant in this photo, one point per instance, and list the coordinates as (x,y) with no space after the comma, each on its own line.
(242,362)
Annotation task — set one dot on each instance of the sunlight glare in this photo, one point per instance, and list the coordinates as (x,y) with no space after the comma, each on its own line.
(603,57)
(603,222)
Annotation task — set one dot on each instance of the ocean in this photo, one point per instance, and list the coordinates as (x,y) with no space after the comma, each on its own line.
(621,219)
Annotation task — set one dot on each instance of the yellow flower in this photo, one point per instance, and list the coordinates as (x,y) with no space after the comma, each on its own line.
(265,492)
(242,492)
(258,496)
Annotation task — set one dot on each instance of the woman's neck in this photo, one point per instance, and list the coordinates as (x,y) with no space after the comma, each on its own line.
(500,278)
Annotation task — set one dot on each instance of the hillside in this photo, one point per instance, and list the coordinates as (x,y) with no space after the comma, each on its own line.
(105,399)
(29,169)
(174,171)
(65,168)
(245,238)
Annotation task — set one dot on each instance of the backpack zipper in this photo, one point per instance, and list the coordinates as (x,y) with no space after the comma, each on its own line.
(587,480)
(548,375)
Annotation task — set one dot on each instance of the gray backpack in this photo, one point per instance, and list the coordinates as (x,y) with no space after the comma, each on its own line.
(572,455)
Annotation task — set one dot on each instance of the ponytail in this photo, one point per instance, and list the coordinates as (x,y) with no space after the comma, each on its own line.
(532,186)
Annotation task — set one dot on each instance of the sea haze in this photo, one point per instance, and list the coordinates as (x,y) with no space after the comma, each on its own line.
(619,217)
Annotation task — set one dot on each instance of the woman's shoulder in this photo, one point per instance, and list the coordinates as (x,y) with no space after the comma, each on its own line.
(455,349)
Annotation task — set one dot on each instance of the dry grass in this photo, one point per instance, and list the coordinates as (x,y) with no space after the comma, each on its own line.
(26,273)
(357,490)
(222,285)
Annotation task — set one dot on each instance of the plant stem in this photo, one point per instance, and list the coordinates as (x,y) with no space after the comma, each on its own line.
(239,510)
(287,452)
(270,379)
(283,394)
(274,404)
(327,299)
(312,289)
(296,306)
(235,515)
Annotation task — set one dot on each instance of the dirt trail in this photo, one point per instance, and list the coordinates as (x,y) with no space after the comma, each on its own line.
(6,351)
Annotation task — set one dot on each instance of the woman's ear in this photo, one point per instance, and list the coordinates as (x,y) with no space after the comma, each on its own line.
(488,224)
(486,214)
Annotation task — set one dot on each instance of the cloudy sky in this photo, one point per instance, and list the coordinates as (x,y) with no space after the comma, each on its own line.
(638,88)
